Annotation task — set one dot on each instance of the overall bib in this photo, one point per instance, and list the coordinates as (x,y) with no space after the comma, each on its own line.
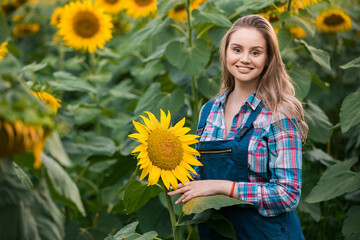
(228,160)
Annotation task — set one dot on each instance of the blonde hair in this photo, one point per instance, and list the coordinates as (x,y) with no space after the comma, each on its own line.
(275,87)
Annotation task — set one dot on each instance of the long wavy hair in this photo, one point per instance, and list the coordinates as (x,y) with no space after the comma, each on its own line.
(275,87)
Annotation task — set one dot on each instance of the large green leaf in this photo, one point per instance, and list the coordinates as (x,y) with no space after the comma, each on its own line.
(164,6)
(138,194)
(284,37)
(62,185)
(350,111)
(254,5)
(173,101)
(123,90)
(319,56)
(192,59)
(353,63)
(200,204)
(208,87)
(68,82)
(312,208)
(350,229)
(303,19)
(56,149)
(302,79)
(128,233)
(335,181)
(146,103)
(320,128)
(318,155)
(151,29)
(84,114)
(213,15)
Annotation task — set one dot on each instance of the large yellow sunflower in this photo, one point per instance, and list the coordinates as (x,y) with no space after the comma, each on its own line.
(17,138)
(50,101)
(3,50)
(140,8)
(165,152)
(110,6)
(179,12)
(332,21)
(56,17)
(84,26)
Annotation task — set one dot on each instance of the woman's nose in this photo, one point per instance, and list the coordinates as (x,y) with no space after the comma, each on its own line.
(244,58)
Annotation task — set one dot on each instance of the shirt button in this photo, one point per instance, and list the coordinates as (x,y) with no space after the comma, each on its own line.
(283,230)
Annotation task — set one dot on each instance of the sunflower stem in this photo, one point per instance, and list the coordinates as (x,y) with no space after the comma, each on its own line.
(172,214)
(189,22)
(195,100)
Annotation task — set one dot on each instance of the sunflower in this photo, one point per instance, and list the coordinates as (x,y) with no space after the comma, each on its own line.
(3,50)
(25,29)
(179,12)
(17,18)
(110,6)
(165,152)
(297,32)
(49,100)
(56,17)
(84,26)
(19,138)
(140,8)
(332,21)
(306,3)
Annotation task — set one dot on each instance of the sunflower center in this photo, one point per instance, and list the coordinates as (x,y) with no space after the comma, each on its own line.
(143,3)
(111,1)
(334,19)
(164,149)
(180,8)
(86,24)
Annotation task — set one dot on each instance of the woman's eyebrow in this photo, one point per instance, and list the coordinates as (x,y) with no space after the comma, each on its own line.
(239,45)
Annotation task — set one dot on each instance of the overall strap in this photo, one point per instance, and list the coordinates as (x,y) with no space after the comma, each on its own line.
(249,123)
(204,116)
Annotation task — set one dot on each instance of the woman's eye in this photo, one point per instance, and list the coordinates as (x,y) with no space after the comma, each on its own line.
(237,50)
(255,53)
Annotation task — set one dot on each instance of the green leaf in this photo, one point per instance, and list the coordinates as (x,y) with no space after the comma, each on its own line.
(123,90)
(84,114)
(56,149)
(334,182)
(284,37)
(254,5)
(138,194)
(68,82)
(172,102)
(312,209)
(350,229)
(127,230)
(4,29)
(323,85)
(200,204)
(350,111)
(34,67)
(151,29)
(302,79)
(320,128)
(304,20)
(62,185)
(164,6)
(318,155)
(209,87)
(152,95)
(211,15)
(353,63)
(192,59)
(319,56)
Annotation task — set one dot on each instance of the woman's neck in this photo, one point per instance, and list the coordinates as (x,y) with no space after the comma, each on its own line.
(240,93)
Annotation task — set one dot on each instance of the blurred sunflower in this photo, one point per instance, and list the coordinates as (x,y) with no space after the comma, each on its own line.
(84,26)
(17,18)
(110,6)
(3,50)
(56,16)
(297,32)
(19,138)
(332,21)
(140,8)
(306,3)
(179,12)
(49,100)
(165,152)
(25,29)
(18,3)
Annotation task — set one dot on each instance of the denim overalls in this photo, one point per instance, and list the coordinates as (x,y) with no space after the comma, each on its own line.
(228,160)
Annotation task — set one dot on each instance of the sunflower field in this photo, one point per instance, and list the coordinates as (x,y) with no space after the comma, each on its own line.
(88,88)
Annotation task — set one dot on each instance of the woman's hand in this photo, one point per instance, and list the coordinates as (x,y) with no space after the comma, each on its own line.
(202,188)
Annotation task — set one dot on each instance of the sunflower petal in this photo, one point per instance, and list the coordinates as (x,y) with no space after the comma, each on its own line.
(154,175)
(148,123)
(190,150)
(172,179)
(140,148)
(141,128)
(153,120)
(165,178)
(179,125)
(188,167)
(138,136)
(182,131)
(190,159)
(164,120)
(190,142)
(188,137)
(144,172)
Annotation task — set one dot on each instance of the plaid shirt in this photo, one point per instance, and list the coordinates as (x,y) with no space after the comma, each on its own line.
(274,156)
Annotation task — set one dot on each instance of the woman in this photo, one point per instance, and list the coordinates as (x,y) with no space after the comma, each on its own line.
(251,138)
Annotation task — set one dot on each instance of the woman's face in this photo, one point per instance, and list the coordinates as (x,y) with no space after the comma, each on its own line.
(246,56)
